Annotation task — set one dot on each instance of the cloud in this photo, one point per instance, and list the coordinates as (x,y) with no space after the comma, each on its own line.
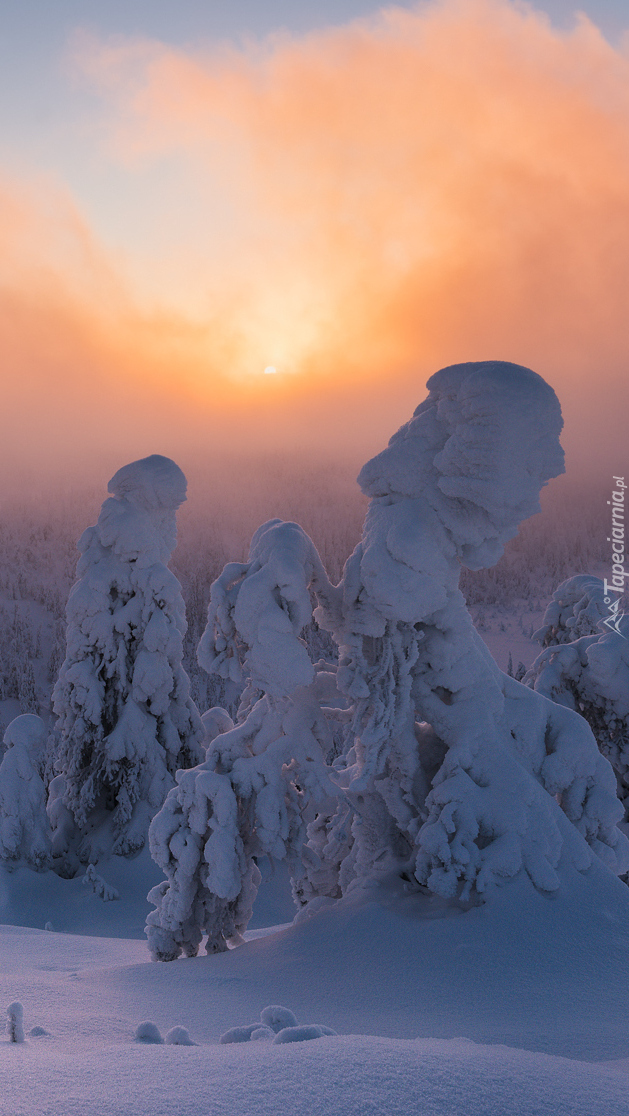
(357,207)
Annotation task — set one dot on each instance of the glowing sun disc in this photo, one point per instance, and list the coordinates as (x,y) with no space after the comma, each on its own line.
(269,370)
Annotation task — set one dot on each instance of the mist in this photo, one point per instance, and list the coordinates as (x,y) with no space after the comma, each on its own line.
(357,207)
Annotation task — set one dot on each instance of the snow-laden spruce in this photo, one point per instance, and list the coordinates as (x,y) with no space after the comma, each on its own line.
(458,775)
(24,828)
(590,674)
(126,722)
(262,779)
(576,610)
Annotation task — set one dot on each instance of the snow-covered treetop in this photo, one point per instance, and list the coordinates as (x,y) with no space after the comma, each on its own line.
(138,521)
(151,483)
(29,733)
(477,451)
(258,609)
(24,831)
(576,610)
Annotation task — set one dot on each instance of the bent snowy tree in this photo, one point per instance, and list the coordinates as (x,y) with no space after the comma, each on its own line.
(454,775)
(457,772)
(262,779)
(126,722)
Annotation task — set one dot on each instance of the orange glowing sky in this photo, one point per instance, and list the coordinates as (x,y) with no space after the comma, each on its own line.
(356,206)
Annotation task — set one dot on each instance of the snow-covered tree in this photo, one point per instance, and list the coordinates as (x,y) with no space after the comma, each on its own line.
(576,610)
(591,676)
(253,793)
(24,829)
(455,776)
(126,722)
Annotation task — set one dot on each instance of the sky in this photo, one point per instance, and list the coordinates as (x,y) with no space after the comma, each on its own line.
(192,194)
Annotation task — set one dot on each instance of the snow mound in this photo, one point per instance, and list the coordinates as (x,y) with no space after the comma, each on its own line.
(179,1036)
(148,1032)
(277,1017)
(278,1024)
(302,1033)
(262,1034)
(238,1034)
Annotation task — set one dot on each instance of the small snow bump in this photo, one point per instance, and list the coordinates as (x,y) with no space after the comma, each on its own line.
(262,1034)
(179,1036)
(239,1034)
(277,1017)
(148,1032)
(302,1033)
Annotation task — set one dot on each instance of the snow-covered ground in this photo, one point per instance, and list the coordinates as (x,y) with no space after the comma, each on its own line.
(518,1006)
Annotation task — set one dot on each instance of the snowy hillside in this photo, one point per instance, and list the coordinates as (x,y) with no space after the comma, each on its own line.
(439,1012)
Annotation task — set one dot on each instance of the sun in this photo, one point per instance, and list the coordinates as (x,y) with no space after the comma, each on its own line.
(270,370)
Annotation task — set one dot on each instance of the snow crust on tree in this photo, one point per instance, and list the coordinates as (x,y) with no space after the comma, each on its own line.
(215,721)
(576,610)
(454,775)
(591,676)
(260,779)
(126,722)
(24,828)
(62,826)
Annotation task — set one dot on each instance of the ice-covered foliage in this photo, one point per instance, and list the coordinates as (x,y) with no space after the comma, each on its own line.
(24,827)
(262,779)
(126,722)
(591,676)
(215,721)
(458,775)
(576,610)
